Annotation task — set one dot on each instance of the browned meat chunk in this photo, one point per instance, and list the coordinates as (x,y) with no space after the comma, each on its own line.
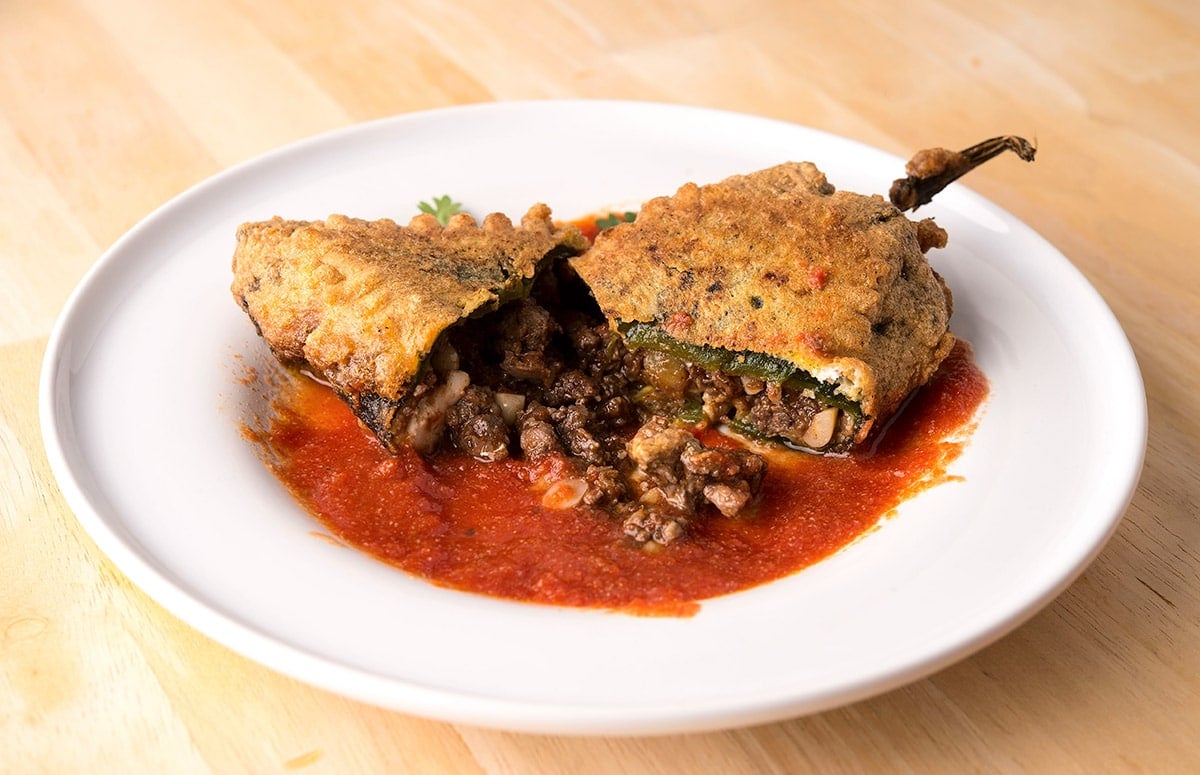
(523,341)
(605,486)
(476,425)
(538,438)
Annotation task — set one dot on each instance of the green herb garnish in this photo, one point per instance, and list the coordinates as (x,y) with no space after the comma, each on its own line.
(612,219)
(442,208)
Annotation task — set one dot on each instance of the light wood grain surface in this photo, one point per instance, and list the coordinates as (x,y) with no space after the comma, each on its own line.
(110,107)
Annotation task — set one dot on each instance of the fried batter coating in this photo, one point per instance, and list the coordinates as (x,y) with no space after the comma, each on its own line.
(362,303)
(778,262)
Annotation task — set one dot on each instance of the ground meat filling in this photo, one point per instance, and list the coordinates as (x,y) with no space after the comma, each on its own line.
(765,410)
(674,475)
(542,379)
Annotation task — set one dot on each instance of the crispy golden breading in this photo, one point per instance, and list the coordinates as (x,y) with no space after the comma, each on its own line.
(362,303)
(778,262)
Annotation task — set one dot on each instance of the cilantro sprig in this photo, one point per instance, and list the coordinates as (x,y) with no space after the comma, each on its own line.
(612,219)
(442,208)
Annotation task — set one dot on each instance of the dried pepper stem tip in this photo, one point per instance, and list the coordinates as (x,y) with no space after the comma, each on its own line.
(931,170)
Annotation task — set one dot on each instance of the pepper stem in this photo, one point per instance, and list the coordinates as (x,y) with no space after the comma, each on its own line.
(933,169)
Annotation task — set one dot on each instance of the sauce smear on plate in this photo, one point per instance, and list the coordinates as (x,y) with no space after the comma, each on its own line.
(483,527)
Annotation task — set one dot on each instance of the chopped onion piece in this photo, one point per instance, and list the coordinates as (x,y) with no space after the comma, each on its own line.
(820,430)
(429,420)
(564,494)
(511,405)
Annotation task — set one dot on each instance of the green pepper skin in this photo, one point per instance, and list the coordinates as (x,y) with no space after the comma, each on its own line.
(742,364)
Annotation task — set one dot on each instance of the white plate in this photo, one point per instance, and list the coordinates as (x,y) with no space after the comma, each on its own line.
(141,409)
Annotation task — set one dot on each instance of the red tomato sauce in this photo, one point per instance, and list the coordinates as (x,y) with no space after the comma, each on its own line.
(482,527)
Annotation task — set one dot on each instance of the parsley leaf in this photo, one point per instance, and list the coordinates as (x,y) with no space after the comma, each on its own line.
(612,219)
(442,208)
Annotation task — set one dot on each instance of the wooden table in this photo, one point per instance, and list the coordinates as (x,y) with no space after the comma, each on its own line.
(107,109)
